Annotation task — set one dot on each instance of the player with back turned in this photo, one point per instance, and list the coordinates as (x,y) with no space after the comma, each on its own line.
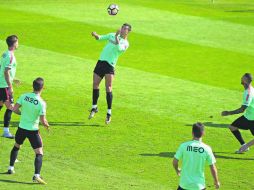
(32,109)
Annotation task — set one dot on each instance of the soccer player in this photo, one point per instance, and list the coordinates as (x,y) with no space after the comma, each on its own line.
(8,66)
(195,155)
(245,122)
(33,110)
(117,44)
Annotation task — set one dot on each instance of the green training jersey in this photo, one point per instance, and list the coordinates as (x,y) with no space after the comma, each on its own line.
(32,107)
(111,51)
(195,155)
(8,61)
(248,100)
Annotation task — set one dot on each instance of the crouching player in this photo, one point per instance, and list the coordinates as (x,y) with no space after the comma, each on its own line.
(33,110)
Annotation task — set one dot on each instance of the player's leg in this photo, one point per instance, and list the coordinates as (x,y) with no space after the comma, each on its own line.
(108,83)
(36,143)
(96,92)
(19,139)
(1,105)
(240,123)
(236,132)
(7,116)
(98,75)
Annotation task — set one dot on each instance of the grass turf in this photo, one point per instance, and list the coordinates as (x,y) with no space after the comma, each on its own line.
(168,79)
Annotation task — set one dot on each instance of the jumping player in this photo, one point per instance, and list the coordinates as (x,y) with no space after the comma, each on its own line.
(105,67)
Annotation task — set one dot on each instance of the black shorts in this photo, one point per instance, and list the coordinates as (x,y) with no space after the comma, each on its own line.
(33,136)
(180,188)
(245,124)
(6,95)
(102,68)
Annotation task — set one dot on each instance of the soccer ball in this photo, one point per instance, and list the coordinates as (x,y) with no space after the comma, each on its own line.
(113,9)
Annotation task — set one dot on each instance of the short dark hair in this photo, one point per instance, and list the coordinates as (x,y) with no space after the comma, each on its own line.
(126,24)
(11,40)
(198,129)
(38,84)
(248,76)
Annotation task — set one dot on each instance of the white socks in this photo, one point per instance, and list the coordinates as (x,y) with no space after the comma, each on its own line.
(11,168)
(94,106)
(6,129)
(109,111)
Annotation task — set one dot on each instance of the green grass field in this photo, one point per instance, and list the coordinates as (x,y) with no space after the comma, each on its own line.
(184,65)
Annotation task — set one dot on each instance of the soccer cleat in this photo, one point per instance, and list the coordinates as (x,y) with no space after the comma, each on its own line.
(239,152)
(108,119)
(93,112)
(8,135)
(39,180)
(10,172)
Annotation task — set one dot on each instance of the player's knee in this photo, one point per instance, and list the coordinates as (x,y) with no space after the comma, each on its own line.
(17,146)
(38,151)
(95,85)
(232,128)
(109,88)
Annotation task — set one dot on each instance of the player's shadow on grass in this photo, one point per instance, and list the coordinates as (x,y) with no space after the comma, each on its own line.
(241,11)
(74,124)
(162,154)
(211,124)
(216,154)
(70,124)
(13,181)
(171,155)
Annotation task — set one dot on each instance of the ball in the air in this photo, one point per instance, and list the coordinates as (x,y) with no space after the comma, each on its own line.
(113,9)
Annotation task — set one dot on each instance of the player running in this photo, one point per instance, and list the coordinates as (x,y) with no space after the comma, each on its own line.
(195,155)
(33,110)
(8,66)
(117,44)
(245,122)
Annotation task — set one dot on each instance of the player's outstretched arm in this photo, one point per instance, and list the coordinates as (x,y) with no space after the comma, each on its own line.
(44,121)
(237,111)
(175,165)
(215,176)
(95,35)
(16,109)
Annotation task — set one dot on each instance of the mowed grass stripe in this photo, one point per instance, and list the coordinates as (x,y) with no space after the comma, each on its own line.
(147,53)
(152,88)
(165,24)
(228,10)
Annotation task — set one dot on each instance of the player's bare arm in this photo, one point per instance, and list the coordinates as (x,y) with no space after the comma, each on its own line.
(215,176)
(175,165)
(16,109)
(237,111)
(44,121)
(7,78)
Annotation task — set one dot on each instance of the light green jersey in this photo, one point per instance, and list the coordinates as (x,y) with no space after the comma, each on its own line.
(8,61)
(248,100)
(195,155)
(32,107)
(111,51)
